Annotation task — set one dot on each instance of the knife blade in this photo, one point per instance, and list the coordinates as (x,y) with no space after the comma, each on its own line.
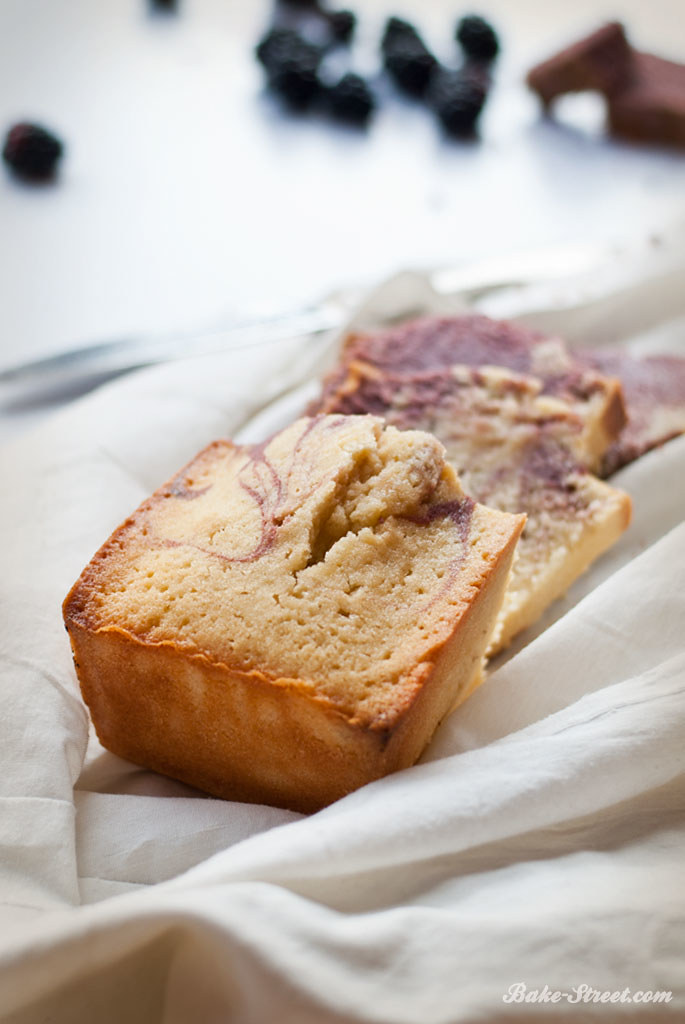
(74,371)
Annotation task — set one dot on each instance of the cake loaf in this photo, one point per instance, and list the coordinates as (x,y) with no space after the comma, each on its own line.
(283,623)
(436,343)
(514,449)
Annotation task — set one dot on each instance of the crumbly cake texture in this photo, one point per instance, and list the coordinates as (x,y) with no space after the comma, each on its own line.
(283,623)
(515,450)
(654,395)
(436,343)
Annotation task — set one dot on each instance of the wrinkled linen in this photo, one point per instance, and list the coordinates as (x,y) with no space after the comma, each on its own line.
(538,842)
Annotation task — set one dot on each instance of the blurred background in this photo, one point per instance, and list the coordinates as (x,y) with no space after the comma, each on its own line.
(188,197)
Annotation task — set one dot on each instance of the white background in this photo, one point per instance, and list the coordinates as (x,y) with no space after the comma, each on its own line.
(186,199)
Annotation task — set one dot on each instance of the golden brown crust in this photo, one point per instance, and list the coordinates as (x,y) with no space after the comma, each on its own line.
(243,736)
(615,414)
(235,735)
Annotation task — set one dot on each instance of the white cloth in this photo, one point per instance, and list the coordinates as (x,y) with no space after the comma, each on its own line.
(540,841)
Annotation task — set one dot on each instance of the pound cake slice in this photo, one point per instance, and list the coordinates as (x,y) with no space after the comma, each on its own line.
(286,622)
(515,450)
(654,394)
(436,343)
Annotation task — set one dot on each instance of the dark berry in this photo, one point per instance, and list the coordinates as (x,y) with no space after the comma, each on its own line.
(32,152)
(458,98)
(292,65)
(406,57)
(342,25)
(296,81)
(350,99)
(300,3)
(409,62)
(277,45)
(397,30)
(477,38)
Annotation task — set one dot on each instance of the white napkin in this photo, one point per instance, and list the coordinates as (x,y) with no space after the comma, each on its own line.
(538,845)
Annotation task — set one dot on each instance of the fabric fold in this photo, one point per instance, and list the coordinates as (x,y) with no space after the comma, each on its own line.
(538,843)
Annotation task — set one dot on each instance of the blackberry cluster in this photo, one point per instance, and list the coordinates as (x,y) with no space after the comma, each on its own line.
(32,152)
(406,57)
(477,38)
(293,64)
(457,97)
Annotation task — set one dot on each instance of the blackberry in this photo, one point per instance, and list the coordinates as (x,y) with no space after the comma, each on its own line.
(292,65)
(397,30)
(350,99)
(342,25)
(410,64)
(458,98)
(406,57)
(32,152)
(296,81)
(477,38)
(278,45)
